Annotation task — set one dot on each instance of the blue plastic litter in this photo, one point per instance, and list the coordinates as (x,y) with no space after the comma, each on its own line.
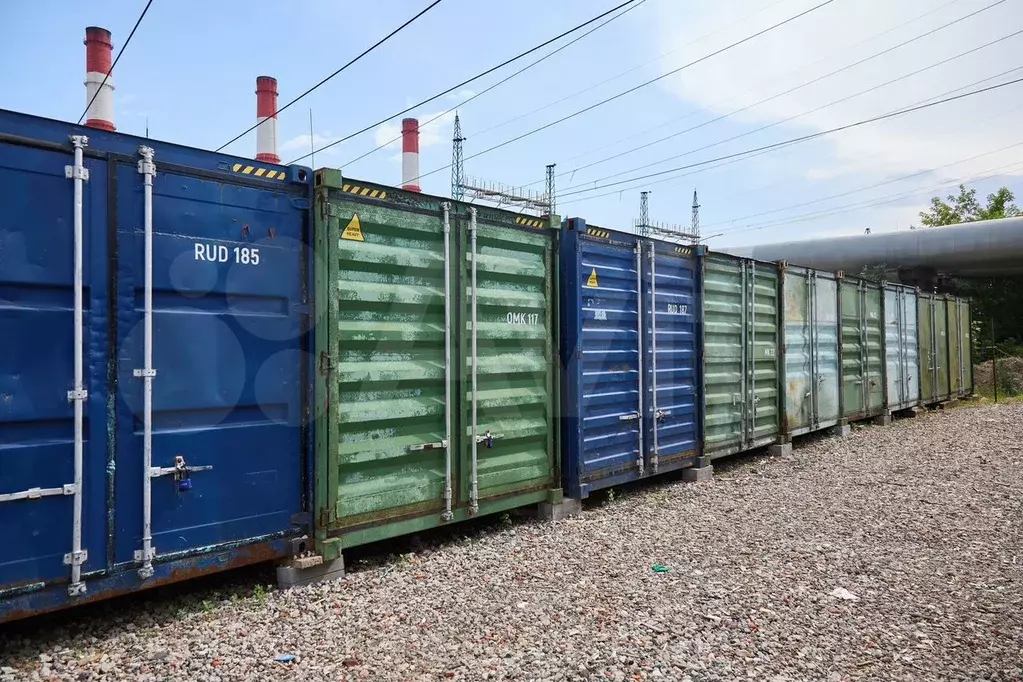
(285,658)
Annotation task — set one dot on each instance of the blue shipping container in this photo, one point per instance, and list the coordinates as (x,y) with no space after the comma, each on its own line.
(228,480)
(630,357)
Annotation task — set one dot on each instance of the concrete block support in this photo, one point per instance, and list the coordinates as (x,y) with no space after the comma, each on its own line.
(882,420)
(698,474)
(302,571)
(842,430)
(556,511)
(780,450)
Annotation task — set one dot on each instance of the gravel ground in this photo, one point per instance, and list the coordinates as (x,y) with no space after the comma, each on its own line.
(893,554)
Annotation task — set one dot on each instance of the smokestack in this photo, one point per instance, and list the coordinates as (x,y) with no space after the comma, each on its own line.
(99,52)
(266,119)
(410,154)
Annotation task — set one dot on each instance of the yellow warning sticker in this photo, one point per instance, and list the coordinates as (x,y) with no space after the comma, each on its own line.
(354,230)
(592,281)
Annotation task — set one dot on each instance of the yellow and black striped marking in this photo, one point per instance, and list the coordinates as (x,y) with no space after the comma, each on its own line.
(600,234)
(530,222)
(364,191)
(684,250)
(257,172)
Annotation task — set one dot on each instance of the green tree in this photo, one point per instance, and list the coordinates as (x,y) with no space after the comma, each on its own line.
(965,208)
(997,299)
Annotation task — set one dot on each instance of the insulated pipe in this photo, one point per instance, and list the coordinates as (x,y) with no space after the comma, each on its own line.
(266,120)
(410,155)
(148,553)
(78,395)
(639,348)
(474,490)
(99,95)
(447,516)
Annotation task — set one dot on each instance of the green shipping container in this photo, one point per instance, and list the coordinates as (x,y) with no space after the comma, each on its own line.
(955,348)
(863,358)
(436,346)
(740,354)
(934,363)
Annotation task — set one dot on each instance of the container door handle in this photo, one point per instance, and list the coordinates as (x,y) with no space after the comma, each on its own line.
(629,417)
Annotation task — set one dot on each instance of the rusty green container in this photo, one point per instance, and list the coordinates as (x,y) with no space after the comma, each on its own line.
(934,345)
(437,371)
(863,357)
(740,354)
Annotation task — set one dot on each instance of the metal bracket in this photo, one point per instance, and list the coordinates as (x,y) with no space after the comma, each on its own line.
(72,396)
(156,472)
(428,446)
(144,372)
(76,589)
(73,173)
(628,417)
(661,414)
(76,558)
(142,555)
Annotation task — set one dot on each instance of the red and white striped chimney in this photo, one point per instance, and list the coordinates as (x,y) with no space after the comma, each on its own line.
(410,154)
(266,119)
(99,52)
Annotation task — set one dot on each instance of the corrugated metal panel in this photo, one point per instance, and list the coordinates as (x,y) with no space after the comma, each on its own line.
(740,331)
(966,325)
(955,336)
(926,336)
(672,366)
(862,348)
(810,313)
(610,277)
(230,355)
(941,349)
(515,356)
(394,441)
(901,348)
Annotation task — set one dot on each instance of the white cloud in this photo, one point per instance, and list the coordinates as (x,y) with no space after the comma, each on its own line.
(461,95)
(300,143)
(828,39)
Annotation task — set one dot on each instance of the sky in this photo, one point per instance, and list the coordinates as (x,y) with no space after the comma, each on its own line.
(190,73)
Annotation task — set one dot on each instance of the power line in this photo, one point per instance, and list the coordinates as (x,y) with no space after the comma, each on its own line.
(714,120)
(804,138)
(500,82)
(627,71)
(637,87)
(116,59)
(350,62)
(793,89)
(784,180)
(470,80)
(870,203)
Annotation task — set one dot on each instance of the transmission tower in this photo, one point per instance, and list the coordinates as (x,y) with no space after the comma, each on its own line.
(695,231)
(643,225)
(550,189)
(457,170)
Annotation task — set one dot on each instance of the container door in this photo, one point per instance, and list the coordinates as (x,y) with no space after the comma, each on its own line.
(895,352)
(853,351)
(227,328)
(381,449)
(825,339)
(955,336)
(799,350)
(508,361)
(763,369)
(724,353)
(38,494)
(966,345)
(608,362)
(910,341)
(672,360)
(873,297)
(941,360)
(926,334)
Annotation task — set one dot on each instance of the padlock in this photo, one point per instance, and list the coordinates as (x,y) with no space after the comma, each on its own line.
(489,440)
(184,485)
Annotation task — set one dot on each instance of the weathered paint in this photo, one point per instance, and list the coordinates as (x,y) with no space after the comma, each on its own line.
(932,317)
(607,302)
(863,362)
(380,468)
(810,350)
(966,345)
(902,355)
(740,352)
(229,347)
(955,348)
